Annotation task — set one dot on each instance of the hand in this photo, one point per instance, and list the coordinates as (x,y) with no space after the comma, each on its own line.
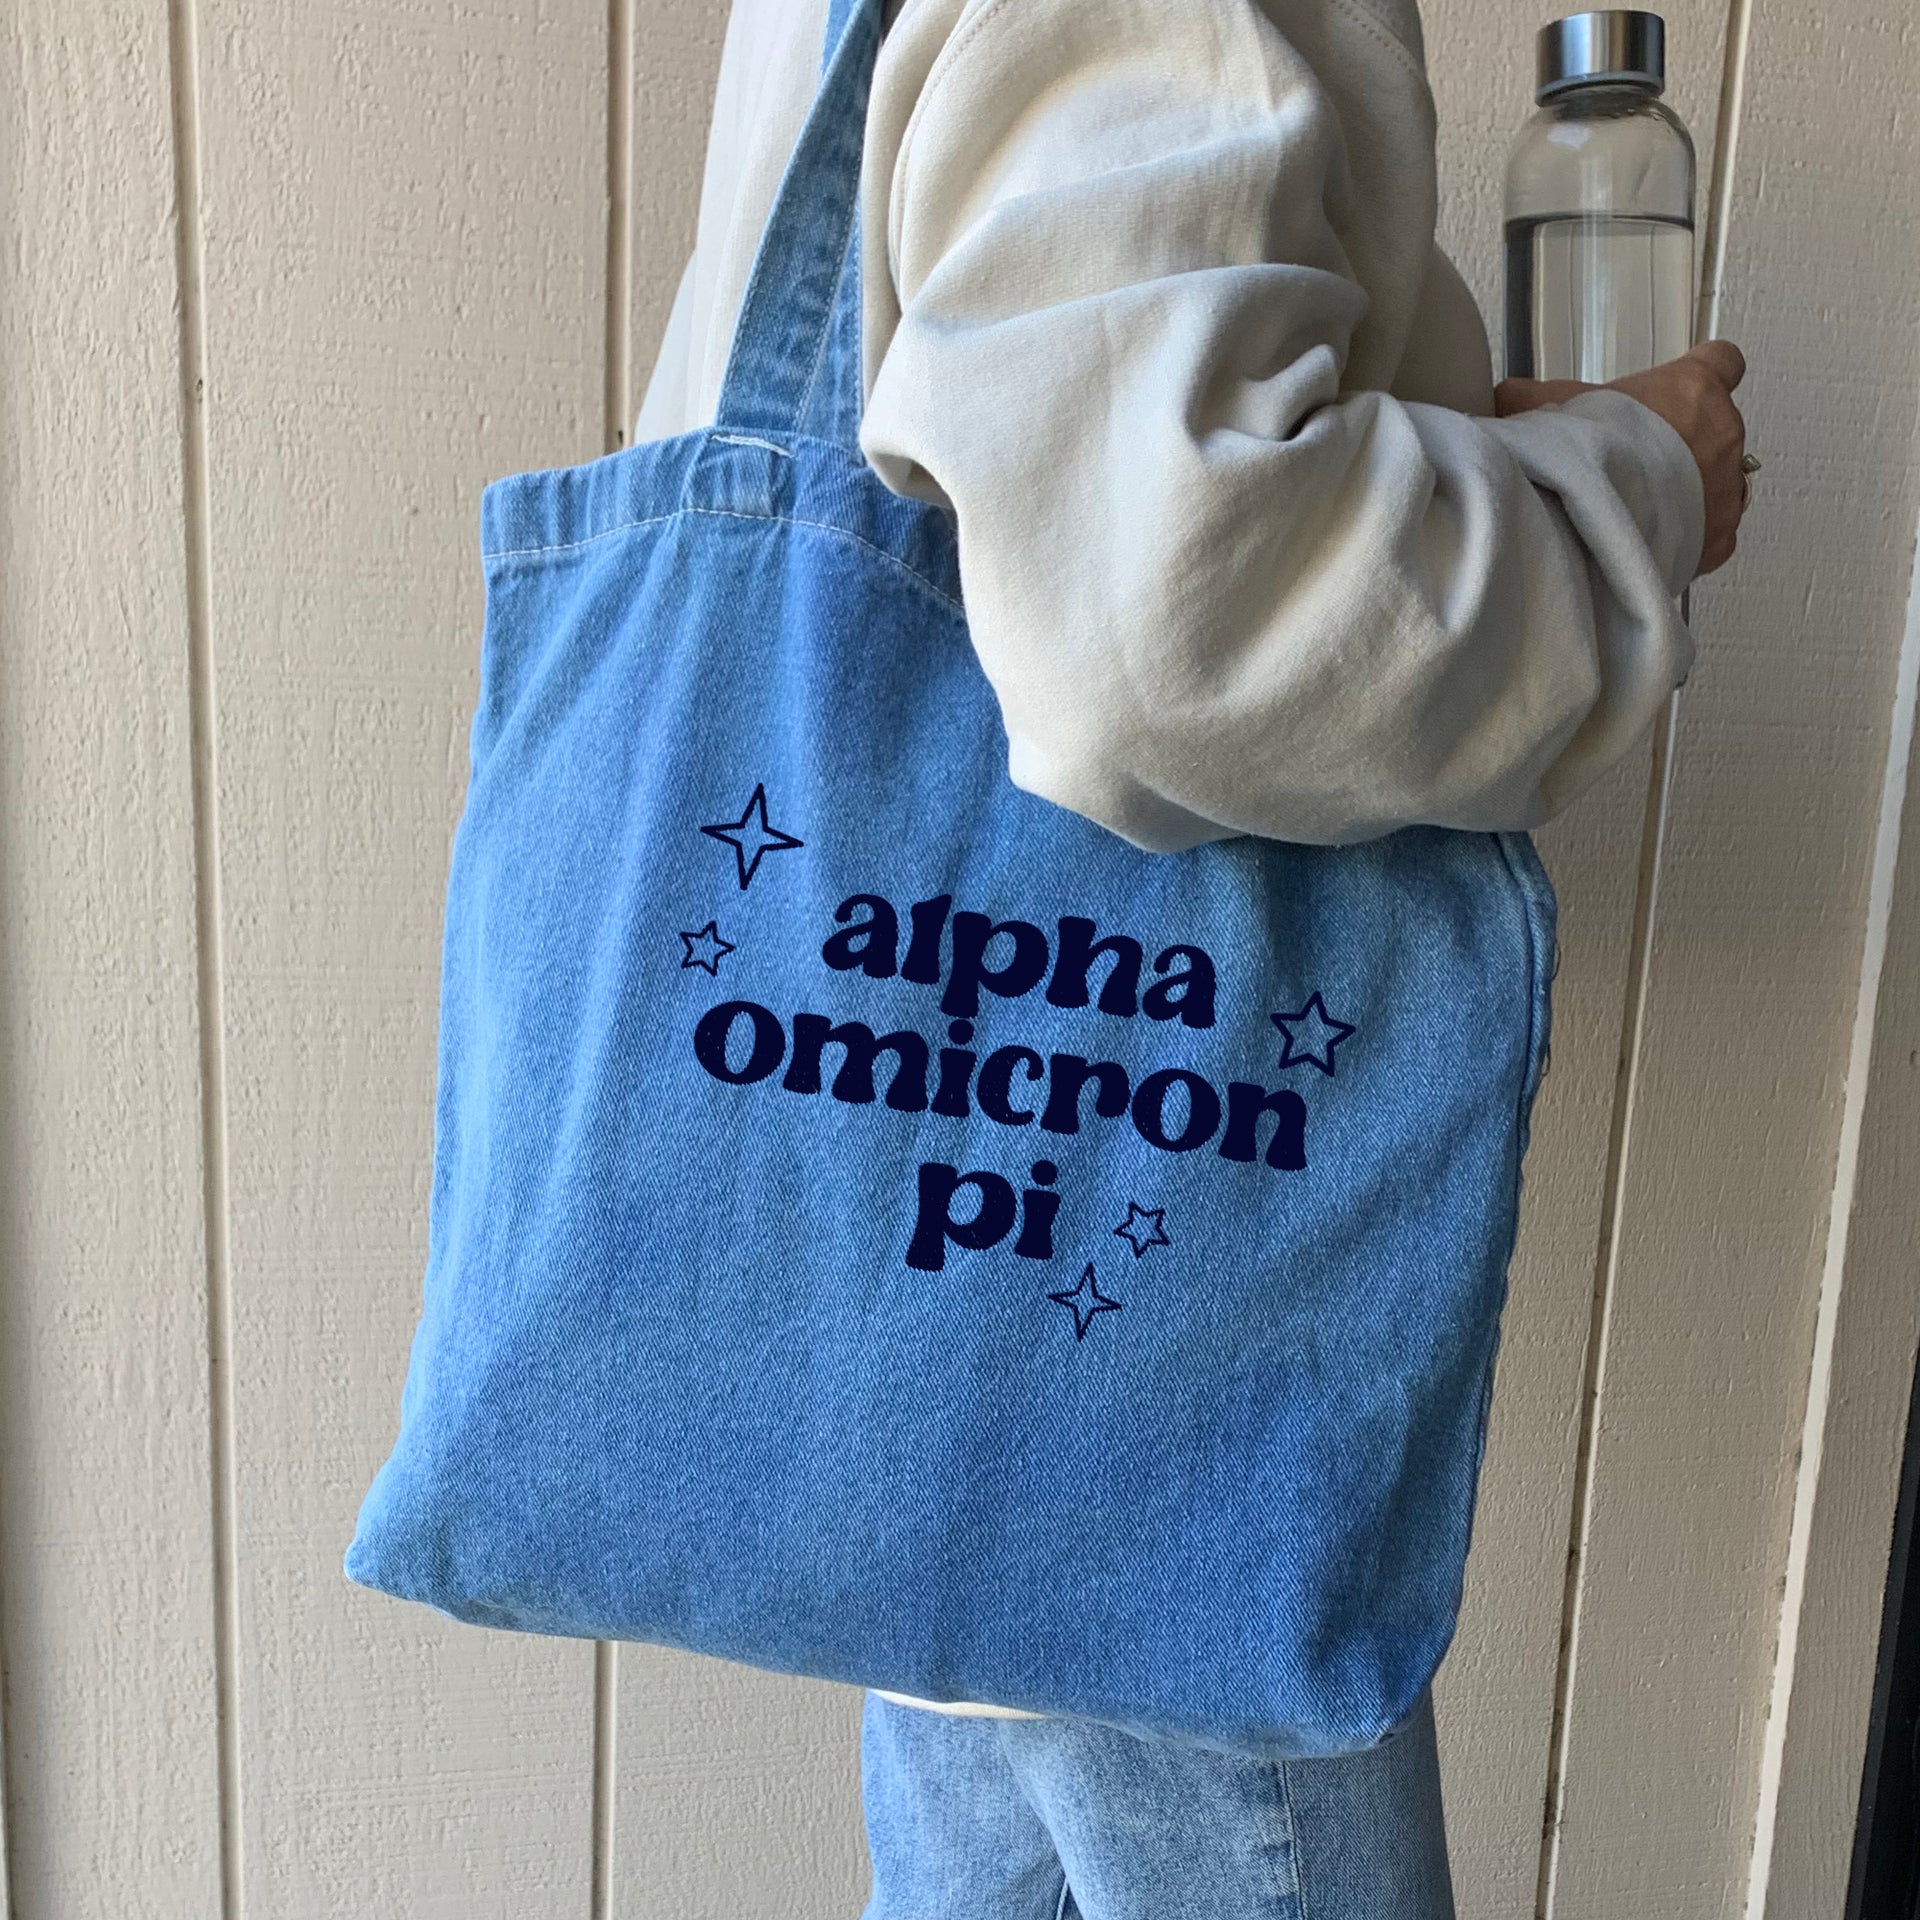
(1694,396)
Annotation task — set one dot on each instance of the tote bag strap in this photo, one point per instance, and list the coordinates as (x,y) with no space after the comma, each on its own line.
(794,366)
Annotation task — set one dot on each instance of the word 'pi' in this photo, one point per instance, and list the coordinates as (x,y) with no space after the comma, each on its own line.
(934,1226)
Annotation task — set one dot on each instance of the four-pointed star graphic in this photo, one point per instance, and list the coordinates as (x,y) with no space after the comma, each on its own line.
(1144,1227)
(1322,1033)
(1086,1300)
(752,835)
(705,949)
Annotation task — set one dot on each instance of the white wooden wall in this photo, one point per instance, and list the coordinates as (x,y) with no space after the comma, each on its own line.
(282,284)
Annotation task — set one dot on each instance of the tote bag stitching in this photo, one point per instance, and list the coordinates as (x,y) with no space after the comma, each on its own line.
(826,332)
(842,533)
(729,513)
(753,440)
(586,540)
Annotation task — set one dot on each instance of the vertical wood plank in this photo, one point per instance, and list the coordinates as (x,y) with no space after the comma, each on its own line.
(738,1792)
(406,235)
(1856,1428)
(1751,994)
(112,1799)
(1496,1693)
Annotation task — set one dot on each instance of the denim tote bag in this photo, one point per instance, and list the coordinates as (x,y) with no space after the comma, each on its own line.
(887,1227)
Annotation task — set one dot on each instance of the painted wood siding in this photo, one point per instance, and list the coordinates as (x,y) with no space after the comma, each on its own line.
(281,287)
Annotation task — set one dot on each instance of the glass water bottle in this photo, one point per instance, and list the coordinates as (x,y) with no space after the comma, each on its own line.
(1599,207)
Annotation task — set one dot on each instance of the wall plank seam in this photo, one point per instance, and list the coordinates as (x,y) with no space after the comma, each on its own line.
(619,344)
(1726,149)
(616,350)
(1606,1275)
(183,52)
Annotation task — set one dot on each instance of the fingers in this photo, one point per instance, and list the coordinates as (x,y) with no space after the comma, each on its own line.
(1522,396)
(1723,360)
(1694,395)
(1516,396)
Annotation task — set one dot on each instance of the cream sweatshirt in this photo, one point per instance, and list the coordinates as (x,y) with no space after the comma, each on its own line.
(1152,302)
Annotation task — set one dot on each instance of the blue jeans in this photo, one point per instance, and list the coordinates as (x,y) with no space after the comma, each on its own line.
(989,1819)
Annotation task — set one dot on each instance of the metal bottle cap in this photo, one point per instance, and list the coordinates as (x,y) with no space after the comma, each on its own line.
(1587,49)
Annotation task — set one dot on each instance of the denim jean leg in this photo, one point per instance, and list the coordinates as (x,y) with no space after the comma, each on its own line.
(951,1834)
(1370,1829)
(1153,1830)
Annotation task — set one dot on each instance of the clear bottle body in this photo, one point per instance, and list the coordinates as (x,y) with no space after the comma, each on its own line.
(1600,276)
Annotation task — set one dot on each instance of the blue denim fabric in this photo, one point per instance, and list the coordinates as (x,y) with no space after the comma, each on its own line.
(1047,1819)
(884,1226)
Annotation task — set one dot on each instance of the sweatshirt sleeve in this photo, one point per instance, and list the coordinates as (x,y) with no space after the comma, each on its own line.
(1217,589)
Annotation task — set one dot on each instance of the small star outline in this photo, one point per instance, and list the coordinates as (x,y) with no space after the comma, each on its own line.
(1144,1227)
(706,949)
(1084,1308)
(752,835)
(1325,1033)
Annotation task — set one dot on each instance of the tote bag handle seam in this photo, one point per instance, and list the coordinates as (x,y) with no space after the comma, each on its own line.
(757,392)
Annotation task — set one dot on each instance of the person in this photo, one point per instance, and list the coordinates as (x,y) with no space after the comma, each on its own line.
(1250,543)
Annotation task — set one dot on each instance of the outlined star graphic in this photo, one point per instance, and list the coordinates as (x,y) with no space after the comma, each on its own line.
(1324,1033)
(705,949)
(1144,1227)
(752,835)
(1084,1308)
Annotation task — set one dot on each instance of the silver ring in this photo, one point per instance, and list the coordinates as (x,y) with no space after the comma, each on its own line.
(1748,464)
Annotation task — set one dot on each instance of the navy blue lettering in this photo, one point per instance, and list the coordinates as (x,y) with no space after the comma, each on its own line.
(956,1073)
(1068,1073)
(922,964)
(1245,1104)
(934,1225)
(1187,995)
(1149,1110)
(973,935)
(996,1084)
(814,1032)
(710,1039)
(1073,961)
(1037,1210)
(870,944)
